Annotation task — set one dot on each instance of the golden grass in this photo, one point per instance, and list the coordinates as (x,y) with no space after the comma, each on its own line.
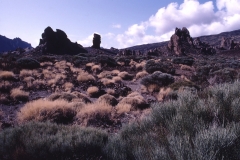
(186,67)
(141,74)
(84,77)
(42,110)
(106,81)
(90,64)
(117,79)
(91,91)
(115,72)
(46,64)
(110,91)
(140,66)
(39,83)
(6,75)
(94,112)
(62,95)
(135,100)
(5,84)
(61,65)
(81,97)
(29,80)
(25,73)
(104,74)
(107,98)
(163,93)
(18,94)
(68,86)
(96,68)
(125,75)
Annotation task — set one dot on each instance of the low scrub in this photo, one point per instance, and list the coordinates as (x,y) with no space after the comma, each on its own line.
(37,141)
(6,75)
(59,111)
(157,78)
(19,94)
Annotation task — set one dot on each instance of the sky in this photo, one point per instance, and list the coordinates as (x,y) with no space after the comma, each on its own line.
(121,23)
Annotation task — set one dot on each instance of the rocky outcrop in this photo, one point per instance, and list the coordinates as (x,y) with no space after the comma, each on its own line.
(96,41)
(180,41)
(7,44)
(58,43)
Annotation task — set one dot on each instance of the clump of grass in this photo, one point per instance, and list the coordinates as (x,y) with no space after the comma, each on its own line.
(141,74)
(25,73)
(117,79)
(110,91)
(63,95)
(68,86)
(85,77)
(59,111)
(29,81)
(19,94)
(135,100)
(95,114)
(6,75)
(109,99)
(96,68)
(39,83)
(125,75)
(92,91)
(81,97)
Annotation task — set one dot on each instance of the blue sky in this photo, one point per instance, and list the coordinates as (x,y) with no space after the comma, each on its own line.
(121,23)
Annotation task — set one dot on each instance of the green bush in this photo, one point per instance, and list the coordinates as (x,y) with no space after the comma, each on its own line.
(28,63)
(49,141)
(163,66)
(158,78)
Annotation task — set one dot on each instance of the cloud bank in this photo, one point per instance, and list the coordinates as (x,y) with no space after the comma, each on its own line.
(211,17)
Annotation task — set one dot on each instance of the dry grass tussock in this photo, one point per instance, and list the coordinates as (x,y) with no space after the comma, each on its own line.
(81,97)
(106,81)
(25,73)
(135,100)
(109,99)
(94,113)
(57,79)
(141,74)
(96,68)
(5,84)
(186,67)
(68,86)
(46,64)
(151,88)
(117,79)
(163,93)
(6,75)
(84,77)
(91,91)
(110,91)
(59,111)
(140,66)
(125,75)
(19,94)
(61,65)
(39,83)
(29,80)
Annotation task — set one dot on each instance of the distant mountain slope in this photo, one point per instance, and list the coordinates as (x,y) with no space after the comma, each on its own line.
(211,39)
(7,44)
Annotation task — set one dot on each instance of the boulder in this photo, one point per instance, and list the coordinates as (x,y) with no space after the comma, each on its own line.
(96,41)
(58,43)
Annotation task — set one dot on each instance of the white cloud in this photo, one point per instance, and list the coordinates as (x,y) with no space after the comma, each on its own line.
(87,41)
(200,19)
(116,26)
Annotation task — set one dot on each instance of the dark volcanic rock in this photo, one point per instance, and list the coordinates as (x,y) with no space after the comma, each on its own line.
(181,41)
(96,41)
(58,43)
(7,44)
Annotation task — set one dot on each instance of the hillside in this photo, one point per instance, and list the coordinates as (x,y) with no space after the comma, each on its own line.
(7,44)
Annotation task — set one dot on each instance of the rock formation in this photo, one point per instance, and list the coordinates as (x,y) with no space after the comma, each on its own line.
(180,41)
(58,43)
(96,41)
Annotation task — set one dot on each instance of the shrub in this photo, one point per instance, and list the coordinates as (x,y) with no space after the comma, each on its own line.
(59,111)
(63,95)
(125,75)
(141,74)
(85,77)
(49,141)
(81,97)
(135,100)
(28,63)
(183,60)
(106,61)
(6,75)
(20,95)
(96,114)
(158,78)
(163,66)
(93,91)
(109,99)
